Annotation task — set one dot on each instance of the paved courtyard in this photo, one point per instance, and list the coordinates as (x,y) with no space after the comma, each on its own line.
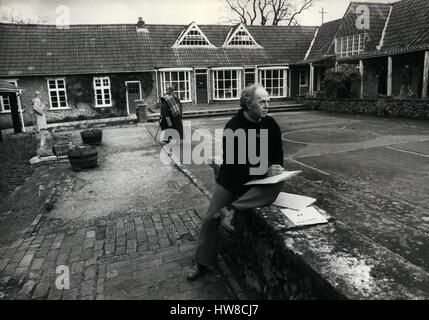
(371,173)
(125,230)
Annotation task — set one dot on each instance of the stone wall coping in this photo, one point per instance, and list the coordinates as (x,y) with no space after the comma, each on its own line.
(343,260)
(426,100)
(351,264)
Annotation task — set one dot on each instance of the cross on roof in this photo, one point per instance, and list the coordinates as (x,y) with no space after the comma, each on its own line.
(323,12)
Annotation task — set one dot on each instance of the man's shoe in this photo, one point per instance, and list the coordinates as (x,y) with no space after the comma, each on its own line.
(197,271)
(228,214)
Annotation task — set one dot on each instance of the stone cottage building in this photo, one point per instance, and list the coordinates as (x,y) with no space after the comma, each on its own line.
(90,71)
(394,45)
(100,70)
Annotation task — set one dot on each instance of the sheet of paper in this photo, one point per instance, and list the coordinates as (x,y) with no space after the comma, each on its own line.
(274,179)
(293,201)
(306,216)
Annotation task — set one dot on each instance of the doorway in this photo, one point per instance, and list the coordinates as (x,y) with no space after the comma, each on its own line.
(133,93)
(201,85)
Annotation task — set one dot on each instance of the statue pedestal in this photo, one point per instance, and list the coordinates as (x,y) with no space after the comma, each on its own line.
(45,143)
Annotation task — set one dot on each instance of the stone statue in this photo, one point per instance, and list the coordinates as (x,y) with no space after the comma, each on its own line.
(39,113)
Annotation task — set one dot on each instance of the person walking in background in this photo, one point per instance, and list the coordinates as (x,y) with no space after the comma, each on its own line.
(39,113)
(171,112)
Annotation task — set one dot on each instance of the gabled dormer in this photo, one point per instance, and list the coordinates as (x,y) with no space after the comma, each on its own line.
(192,37)
(239,37)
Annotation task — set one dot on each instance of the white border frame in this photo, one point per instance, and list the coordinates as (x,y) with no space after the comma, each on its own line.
(102,87)
(126,92)
(56,89)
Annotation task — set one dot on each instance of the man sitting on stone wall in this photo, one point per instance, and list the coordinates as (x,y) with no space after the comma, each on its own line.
(231,195)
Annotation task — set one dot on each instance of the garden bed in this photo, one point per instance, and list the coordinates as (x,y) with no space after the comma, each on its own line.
(15,151)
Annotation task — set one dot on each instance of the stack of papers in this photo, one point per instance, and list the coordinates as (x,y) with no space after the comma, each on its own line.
(293,201)
(304,217)
(298,209)
(274,179)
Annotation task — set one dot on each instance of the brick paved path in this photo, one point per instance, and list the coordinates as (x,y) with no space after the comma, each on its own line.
(137,253)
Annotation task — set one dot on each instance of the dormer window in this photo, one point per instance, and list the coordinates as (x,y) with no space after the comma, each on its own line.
(241,37)
(193,37)
(350,45)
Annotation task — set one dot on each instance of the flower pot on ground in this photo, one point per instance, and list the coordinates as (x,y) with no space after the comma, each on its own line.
(92,137)
(62,149)
(83,157)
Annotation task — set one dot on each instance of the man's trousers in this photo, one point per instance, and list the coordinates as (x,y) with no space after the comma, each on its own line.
(257,196)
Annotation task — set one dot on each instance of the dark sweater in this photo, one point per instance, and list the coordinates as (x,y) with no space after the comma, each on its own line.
(233,176)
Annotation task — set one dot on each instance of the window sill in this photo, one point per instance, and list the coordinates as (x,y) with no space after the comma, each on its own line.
(5,112)
(104,106)
(225,99)
(59,109)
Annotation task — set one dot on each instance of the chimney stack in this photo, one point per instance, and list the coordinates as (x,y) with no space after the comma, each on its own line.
(141,26)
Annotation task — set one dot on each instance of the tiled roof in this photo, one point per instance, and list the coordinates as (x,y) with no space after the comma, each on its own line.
(378,17)
(46,50)
(323,41)
(407,30)
(408,27)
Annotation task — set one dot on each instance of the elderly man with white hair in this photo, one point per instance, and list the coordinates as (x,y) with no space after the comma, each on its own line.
(231,196)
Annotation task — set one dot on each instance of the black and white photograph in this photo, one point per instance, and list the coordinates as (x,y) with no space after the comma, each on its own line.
(214,155)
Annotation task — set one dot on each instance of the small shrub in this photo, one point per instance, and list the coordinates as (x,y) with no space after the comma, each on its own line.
(341,83)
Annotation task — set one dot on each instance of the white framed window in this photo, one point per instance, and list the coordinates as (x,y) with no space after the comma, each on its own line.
(193,37)
(226,84)
(180,80)
(303,78)
(103,95)
(241,37)
(274,81)
(57,93)
(5,106)
(350,45)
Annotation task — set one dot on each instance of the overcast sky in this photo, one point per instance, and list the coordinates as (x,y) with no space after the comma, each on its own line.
(155,11)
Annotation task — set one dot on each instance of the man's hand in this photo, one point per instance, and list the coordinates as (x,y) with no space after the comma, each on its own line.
(275,170)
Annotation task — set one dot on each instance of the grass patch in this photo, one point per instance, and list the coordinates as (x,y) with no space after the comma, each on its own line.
(15,153)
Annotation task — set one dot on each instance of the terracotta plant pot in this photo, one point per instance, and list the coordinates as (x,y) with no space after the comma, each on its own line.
(83,157)
(61,149)
(92,137)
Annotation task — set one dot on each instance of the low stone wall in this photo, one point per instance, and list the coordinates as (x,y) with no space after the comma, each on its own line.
(328,262)
(256,251)
(401,108)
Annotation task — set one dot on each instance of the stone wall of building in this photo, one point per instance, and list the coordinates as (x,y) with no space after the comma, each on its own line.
(80,97)
(401,108)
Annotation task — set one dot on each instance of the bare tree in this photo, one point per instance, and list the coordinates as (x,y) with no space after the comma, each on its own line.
(7,17)
(267,12)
